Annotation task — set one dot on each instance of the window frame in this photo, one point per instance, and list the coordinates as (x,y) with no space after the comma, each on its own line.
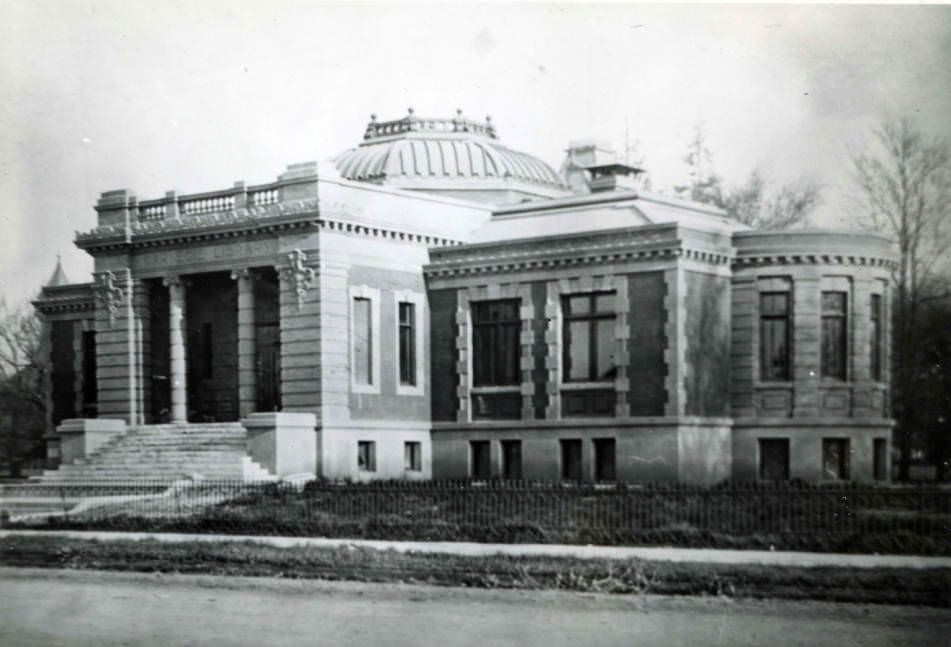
(600,445)
(564,444)
(515,323)
(876,321)
(786,318)
(760,467)
(844,468)
(474,464)
(418,301)
(412,456)
(505,446)
(829,315)
(369,459)
(373,296)
(593,316)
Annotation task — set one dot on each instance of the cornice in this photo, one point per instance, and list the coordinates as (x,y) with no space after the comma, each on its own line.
(779,258)
(602,248)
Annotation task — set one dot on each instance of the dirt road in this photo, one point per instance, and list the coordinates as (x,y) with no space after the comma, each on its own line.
(53,607)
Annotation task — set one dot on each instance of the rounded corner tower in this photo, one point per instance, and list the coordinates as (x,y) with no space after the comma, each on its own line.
(456,158)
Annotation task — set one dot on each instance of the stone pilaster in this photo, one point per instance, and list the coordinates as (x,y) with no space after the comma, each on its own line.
(675,356)
(742,358)
(247,375)
(116,372)
(333,326)
(176,352)
(806,343)
(300,310)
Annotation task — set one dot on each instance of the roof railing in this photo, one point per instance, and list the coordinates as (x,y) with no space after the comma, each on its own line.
(412,123)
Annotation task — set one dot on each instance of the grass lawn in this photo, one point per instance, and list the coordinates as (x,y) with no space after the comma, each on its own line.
(930,587)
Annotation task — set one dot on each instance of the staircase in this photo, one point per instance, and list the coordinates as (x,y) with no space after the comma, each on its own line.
(215,451)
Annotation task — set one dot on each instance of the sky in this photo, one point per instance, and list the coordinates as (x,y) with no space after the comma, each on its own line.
(193,96)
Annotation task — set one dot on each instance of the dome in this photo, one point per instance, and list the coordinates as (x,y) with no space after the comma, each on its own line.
(455,156)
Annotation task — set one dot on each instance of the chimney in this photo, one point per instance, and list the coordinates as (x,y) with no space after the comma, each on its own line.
(581,154)
(613,177)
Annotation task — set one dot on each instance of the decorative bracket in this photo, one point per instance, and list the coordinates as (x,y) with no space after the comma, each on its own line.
(299,275)
(109,294)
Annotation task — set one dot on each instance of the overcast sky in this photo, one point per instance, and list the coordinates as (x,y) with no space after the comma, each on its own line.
(192,96)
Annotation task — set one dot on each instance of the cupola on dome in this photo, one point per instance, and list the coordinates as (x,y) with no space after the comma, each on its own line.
(454,157)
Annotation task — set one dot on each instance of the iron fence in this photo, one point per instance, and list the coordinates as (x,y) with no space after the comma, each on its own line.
(484,511)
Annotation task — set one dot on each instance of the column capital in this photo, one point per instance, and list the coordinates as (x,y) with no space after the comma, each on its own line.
(242,274)
(175,281)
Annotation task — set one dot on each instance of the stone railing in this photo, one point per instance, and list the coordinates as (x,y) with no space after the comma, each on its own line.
(174,206)
(411,123)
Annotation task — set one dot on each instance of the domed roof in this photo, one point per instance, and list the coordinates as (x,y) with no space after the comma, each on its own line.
(444,154)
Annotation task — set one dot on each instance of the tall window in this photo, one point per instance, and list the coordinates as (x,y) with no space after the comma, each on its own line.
(834,340)
(362,341)
(366,456)
(480,462)
(774,459)
(880,459)
(774,336)
(605,459)
(589,339)
(835,459)
(495,342)
(875,337)
(407,341)
(571,459)
(512,460)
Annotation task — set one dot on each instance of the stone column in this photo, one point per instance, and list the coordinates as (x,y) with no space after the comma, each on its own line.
(675,356)
(247,373)
(176,353)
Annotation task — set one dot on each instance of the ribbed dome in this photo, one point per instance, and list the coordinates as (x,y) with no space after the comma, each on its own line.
(432,149)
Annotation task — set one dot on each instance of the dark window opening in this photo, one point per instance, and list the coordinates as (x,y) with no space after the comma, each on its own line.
(366,456)
(774,459)
(512,460)
(481,463)
(835,459)
(589,338)
(588,402)
(571,459)
(362,342)
(605,459)
(834,331)
(90,385)
(495,342)
(881,459)
(413,456)
(497,406)
(774,337)
(407,342)
(875,337)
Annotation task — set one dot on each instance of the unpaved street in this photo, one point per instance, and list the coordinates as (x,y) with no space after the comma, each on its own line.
(52,607)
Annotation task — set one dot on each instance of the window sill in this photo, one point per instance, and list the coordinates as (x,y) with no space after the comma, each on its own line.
(586,386)
(406,389)
(367,389)
(485,390)
(773,385)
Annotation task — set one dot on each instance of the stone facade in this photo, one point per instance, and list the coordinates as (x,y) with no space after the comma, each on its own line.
(363,321)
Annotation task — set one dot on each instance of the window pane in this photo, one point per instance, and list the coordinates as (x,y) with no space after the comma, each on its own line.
(480,459)
(412,456)
(604,302)
(774,362)
(362,341)
(833,302)
(512,459)
(833,347)
(606,347)
(579,305)
(571,460)
(774,459)
(605,459)
(835,458)
(366,456)
(875,339)
(881,459)
(407,344)
(507,355)
(495,342)
(579,350)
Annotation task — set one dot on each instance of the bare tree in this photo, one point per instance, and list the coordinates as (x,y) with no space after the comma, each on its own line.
(904,183)
(22,374)
(755,202)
